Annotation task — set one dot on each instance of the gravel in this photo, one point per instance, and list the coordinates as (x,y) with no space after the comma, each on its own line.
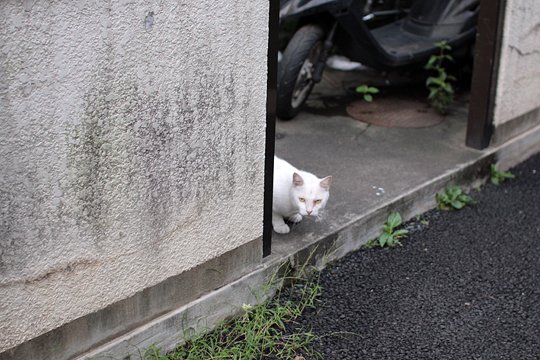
(464,286)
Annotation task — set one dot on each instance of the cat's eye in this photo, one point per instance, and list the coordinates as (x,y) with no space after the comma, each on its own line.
(317,202)
(302,199)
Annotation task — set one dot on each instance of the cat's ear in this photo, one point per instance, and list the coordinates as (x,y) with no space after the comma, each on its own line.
(297,180)
(326,182)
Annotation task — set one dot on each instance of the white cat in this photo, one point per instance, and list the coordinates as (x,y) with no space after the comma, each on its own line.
(296,193)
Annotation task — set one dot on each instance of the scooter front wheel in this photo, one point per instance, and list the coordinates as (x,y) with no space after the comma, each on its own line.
(295,72)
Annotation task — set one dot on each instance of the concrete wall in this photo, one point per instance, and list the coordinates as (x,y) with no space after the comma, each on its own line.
(518,90)
(131,148)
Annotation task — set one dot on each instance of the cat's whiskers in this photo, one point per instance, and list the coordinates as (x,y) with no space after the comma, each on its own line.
(321,218)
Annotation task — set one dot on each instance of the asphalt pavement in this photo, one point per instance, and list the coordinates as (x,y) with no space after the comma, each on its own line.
(464,285)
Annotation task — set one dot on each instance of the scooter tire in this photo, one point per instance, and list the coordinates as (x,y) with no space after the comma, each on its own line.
(297,51)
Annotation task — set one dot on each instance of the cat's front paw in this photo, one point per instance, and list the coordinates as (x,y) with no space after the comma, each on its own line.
(296,218)
(281,228)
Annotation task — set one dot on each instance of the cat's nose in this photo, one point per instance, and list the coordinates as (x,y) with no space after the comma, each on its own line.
(309,212)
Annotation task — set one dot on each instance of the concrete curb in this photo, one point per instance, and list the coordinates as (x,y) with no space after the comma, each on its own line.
(170,329)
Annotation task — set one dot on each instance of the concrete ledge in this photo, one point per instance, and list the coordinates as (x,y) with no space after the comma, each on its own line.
(170,329)
(115,320)
(205,312)
(519,125)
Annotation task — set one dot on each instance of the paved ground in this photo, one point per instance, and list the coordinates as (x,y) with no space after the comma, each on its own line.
(465,286)
(370,165)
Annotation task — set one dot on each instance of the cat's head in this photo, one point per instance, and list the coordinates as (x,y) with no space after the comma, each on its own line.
(310,194)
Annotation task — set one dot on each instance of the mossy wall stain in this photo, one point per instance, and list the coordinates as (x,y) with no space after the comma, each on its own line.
(159,155)
(131,155)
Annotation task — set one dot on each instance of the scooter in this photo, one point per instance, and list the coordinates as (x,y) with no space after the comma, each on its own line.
(378,34)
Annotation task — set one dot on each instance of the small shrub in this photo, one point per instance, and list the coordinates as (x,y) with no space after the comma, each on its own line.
(367,92)
(498,177)
(453,197)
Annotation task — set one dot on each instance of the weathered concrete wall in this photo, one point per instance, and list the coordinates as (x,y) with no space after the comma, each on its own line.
(518,90)
(131,148)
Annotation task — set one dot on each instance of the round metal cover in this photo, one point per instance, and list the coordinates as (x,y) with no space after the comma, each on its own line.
(395,113)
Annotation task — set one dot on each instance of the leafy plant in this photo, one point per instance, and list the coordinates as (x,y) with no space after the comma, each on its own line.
(498,177)
(441,91)
(453,197)
(260,332)
(367,92)
(153,353)
(422,220)
(389,236)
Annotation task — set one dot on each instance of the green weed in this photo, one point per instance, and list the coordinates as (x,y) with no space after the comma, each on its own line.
(453,197)
(441,91)
(422,220)
(389,236)
(367,92)
(498,177)
(153,353)
(259,333)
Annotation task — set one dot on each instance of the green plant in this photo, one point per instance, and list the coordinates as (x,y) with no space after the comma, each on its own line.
(259,332)
(422,220)
(498,177)
(389,236)
(367,92)
(441,91)
(453,197)
(153,353)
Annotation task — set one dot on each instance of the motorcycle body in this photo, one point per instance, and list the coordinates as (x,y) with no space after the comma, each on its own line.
(381,34)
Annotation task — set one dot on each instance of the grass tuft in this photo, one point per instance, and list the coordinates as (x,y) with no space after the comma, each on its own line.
(259,333)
